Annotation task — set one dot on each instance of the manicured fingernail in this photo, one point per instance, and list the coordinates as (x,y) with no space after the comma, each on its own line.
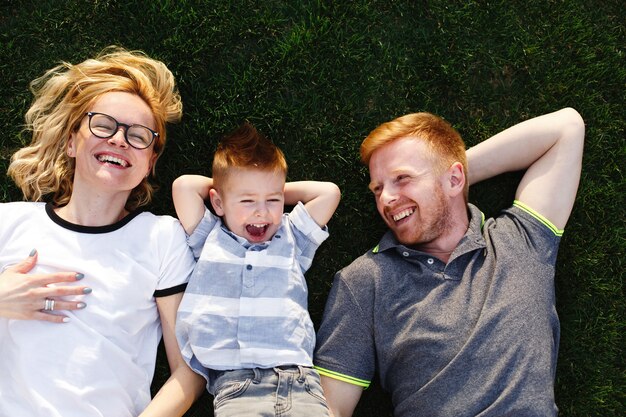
(66,319)
(81,305)
(79,276)
(32,252)
(87,291)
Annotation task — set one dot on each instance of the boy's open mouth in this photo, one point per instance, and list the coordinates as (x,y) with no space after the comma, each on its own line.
(256,230)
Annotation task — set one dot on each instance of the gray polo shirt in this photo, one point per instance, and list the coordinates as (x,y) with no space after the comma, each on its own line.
(476,336)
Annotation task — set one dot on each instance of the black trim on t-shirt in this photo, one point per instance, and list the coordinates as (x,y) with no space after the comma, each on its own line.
(170,291)
(89,229)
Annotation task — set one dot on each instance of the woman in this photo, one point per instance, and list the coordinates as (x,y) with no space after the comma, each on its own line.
(79,316)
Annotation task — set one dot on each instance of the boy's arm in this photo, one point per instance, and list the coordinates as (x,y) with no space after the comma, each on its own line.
(189,193)
(550,148)
(320,198)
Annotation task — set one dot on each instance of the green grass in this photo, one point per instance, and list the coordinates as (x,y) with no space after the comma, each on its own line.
(317,76)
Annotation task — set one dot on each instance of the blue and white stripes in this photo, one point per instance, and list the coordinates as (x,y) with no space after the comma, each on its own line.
(246,304)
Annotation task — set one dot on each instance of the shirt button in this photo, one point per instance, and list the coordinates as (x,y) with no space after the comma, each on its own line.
(248,267)
(430,261)
(405,254)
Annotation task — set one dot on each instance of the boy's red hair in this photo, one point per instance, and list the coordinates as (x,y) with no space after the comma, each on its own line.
(246,148)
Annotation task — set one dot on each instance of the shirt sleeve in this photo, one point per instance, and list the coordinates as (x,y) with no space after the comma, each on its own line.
(197,238)
(308,235)
(345,341)
(176,259)
(541,237)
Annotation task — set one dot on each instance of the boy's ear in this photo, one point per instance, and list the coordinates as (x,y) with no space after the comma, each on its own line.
(216,201)
(455,179)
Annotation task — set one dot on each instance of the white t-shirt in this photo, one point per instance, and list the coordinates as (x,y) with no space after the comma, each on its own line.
(101,363)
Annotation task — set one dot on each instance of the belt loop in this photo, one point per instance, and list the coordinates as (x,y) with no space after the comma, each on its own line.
(302,374)
(257,375)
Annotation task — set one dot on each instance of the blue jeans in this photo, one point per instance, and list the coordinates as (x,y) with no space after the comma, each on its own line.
(283,391)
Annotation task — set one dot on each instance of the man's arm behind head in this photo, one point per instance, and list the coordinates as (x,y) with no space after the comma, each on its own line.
(550,148)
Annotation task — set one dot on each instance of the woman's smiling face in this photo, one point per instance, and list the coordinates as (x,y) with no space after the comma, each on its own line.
(112,164)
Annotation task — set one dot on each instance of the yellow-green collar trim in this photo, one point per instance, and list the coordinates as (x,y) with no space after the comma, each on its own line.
(546,222)
(341,377)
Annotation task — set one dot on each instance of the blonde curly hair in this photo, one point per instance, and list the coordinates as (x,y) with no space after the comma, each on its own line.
(64,94)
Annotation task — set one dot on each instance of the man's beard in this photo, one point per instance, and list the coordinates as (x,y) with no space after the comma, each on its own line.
(439,223)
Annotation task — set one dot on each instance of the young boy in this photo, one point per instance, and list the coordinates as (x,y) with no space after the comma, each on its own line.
(243,322)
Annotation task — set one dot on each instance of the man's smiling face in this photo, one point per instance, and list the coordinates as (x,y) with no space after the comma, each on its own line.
(408,191)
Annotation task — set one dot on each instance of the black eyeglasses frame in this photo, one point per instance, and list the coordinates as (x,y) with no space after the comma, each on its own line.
(90,114)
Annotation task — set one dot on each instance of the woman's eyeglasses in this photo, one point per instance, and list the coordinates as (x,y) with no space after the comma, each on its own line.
(104,126)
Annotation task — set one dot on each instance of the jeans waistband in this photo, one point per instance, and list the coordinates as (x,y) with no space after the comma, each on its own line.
(257,373)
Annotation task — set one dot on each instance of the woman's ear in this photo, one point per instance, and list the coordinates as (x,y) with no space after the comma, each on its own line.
(71,145)
(216,201)
(151,164)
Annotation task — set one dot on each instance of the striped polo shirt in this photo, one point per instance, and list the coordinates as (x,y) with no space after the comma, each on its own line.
(246,303)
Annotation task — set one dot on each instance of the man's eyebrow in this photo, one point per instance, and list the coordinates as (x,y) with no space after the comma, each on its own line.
(410,171)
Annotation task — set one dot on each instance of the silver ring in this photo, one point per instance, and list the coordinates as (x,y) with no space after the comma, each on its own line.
(49,306)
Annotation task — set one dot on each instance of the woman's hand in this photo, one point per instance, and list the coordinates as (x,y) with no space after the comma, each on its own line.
(26,296)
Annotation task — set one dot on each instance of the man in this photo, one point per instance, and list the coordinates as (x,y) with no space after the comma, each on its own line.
(456,314)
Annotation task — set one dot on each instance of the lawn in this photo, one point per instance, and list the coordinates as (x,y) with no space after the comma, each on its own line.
(317,76)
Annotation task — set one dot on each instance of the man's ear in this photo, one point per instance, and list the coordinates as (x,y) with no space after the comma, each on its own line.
(216,201)
(455,179)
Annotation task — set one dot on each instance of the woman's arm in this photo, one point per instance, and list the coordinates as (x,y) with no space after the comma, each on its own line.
(184,386)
